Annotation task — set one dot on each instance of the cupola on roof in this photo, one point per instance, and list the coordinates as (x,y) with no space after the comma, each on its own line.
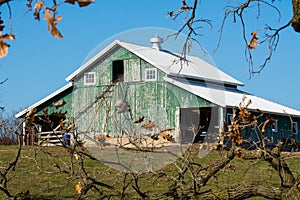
(156,42)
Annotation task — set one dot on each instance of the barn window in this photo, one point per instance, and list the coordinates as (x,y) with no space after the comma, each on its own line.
(295,127)
(90,78)
(150,74)
(117,71)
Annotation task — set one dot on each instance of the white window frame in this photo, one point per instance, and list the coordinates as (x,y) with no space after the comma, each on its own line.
(295,126)
(89,80)
(275,126)
(153,76)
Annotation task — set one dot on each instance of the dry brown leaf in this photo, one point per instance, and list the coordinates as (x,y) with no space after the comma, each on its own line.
(37,9)
(166,136)
(3,45)
(7,37)
(138,119)
(149,125)
(58,104)
(249,102)
(253,42)
(84,3)
(48,18)
(3,49)
(62,124)
(239,140)
(78,188)
(167,129)
(39,5)
(58,18)
(55,32)
(51,24)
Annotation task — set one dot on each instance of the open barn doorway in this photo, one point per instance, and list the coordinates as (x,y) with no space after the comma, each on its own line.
(117,71)
(197,124)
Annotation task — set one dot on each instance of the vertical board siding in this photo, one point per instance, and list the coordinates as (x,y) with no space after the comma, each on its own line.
(283,128)
(66,96)
(93,121)
(157,101)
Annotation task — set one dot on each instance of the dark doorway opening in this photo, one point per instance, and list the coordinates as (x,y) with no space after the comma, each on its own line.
(197,124)
(117,71)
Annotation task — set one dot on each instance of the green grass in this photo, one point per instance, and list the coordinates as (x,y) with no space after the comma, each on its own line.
(37,172)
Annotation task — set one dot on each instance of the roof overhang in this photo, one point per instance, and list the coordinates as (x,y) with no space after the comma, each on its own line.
(47,98)
(230,97)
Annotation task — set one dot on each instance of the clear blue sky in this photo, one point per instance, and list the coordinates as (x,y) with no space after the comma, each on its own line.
(37,64)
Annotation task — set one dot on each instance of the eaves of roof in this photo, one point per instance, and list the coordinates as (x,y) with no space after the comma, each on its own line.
(47,98)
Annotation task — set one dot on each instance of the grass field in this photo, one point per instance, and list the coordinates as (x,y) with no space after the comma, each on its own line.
(46,173)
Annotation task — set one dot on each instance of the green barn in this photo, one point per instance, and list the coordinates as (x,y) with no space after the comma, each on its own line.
(127,83)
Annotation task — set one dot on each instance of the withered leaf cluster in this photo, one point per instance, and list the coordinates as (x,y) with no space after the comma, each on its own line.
(56,119)
(3,45)
(49,15)
(184,7)
(167,136)
(242,119)
(149,125)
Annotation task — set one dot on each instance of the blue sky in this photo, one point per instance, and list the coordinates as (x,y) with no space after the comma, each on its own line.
(37,64)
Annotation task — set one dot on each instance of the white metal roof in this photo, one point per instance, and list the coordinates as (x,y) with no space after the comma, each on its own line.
(231,97)
(168,62)
(50,96)
(197,68)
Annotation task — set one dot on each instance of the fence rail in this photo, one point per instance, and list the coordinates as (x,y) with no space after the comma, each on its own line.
(51,138)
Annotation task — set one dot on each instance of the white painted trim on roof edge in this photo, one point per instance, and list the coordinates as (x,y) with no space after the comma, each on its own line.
(50,96)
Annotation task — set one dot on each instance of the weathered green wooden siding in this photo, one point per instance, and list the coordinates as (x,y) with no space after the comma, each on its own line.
(157,101)
(84,95)
(66,96)
(283,127)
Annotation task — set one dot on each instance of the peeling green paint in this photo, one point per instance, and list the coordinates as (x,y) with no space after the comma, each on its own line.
(157,101)
(66,96)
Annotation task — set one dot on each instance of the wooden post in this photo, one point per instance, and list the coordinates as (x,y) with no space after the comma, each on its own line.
(23,132)
(221,113)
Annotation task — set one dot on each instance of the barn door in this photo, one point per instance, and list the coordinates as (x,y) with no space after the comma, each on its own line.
(196,124)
